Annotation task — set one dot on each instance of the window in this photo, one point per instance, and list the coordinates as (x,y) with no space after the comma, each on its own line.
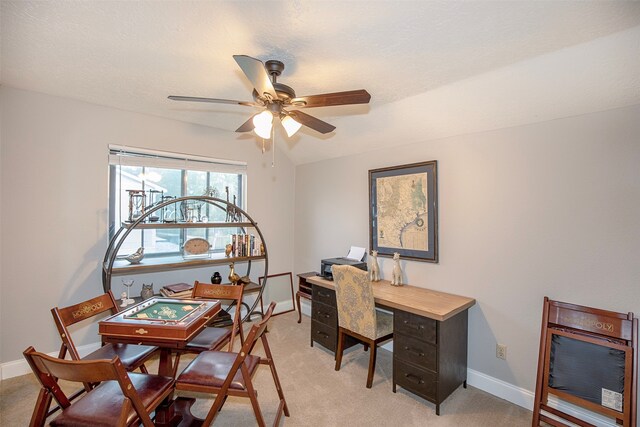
(147,177)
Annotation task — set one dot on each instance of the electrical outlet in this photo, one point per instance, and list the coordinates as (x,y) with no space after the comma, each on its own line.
(501,351)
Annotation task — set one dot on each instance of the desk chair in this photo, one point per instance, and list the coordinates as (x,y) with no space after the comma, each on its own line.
(132,356)
(357,314)
(215,338)
(120,399)
(229,374)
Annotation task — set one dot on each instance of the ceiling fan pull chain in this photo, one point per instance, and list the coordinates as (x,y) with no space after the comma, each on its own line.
(273,147)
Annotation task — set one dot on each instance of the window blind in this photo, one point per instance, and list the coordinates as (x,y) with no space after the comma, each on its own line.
(130,156)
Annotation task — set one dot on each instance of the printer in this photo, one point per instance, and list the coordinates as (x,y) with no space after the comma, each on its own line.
(325,265)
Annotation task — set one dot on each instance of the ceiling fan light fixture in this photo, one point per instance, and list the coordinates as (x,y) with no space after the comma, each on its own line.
(274,97)
(262,124)
(290,126)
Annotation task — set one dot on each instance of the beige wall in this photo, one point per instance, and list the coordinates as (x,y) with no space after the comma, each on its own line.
(545,209)
(54,198)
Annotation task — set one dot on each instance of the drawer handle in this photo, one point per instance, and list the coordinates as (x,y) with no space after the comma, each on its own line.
(325,315)
(322,334)
(414,378)
(412,326)
(320,294)
(412,351)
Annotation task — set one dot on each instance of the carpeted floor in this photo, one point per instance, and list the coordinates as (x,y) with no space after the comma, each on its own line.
(316,394)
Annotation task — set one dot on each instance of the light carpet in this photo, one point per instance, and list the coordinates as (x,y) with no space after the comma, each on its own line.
(316,394)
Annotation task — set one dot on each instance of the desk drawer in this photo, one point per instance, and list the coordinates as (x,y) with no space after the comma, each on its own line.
(324,335)
(324,295)
(419,381)
(420,353)
(324,314)
(416,326)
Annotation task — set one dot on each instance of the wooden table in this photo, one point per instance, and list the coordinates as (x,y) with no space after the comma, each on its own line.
(152,322)
(430,334)
(136,325)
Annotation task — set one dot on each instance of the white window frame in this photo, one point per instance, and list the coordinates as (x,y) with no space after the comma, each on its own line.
(141,157)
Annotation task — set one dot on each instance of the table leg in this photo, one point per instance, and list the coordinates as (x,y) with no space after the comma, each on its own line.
(183,407)
(165,367)
(166,415)
(298,303)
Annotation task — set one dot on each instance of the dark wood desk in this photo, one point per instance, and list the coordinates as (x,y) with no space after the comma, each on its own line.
(430,334)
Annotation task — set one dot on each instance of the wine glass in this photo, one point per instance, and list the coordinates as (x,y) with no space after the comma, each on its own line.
(128,284)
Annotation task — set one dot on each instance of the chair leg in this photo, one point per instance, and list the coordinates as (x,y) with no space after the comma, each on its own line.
(372,364)
(253,396)
(274,373)
(216,407)
(143,369)
(40,410)
(340,349)
(241,332)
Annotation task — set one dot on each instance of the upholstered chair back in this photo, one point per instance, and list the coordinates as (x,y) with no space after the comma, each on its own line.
(354,296)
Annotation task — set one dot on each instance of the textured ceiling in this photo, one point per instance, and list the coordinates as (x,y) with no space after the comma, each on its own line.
(433,68)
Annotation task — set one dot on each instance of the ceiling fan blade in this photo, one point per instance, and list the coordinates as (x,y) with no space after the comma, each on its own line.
(256,73)
(312,122)
(214,100)
(247,126)
(360,96)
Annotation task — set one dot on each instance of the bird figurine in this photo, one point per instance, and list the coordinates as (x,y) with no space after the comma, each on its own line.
(233,277)
(136,257)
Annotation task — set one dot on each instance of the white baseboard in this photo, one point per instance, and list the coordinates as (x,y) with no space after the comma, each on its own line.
(524,398)
(17,368)
(503,390)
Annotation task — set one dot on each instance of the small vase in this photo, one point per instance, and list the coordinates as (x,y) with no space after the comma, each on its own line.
(216,278)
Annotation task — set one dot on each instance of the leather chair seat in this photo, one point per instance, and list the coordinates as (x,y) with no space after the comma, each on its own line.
(211,368)
(108,398)
(209,339)
(130,355)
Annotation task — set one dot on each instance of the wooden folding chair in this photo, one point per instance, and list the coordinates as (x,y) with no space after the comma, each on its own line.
(588,357)
(229,374)
(132,356)
(120,399)
(212,337)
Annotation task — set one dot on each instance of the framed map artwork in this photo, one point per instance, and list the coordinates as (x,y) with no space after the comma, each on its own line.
(403,211)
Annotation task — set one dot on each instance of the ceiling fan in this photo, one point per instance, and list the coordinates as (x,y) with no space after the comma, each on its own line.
(274,97)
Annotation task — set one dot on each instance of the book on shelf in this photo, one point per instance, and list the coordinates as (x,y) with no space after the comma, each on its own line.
(177,290)
(244,245)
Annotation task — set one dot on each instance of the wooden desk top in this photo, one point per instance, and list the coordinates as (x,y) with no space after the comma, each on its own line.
(424,302)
